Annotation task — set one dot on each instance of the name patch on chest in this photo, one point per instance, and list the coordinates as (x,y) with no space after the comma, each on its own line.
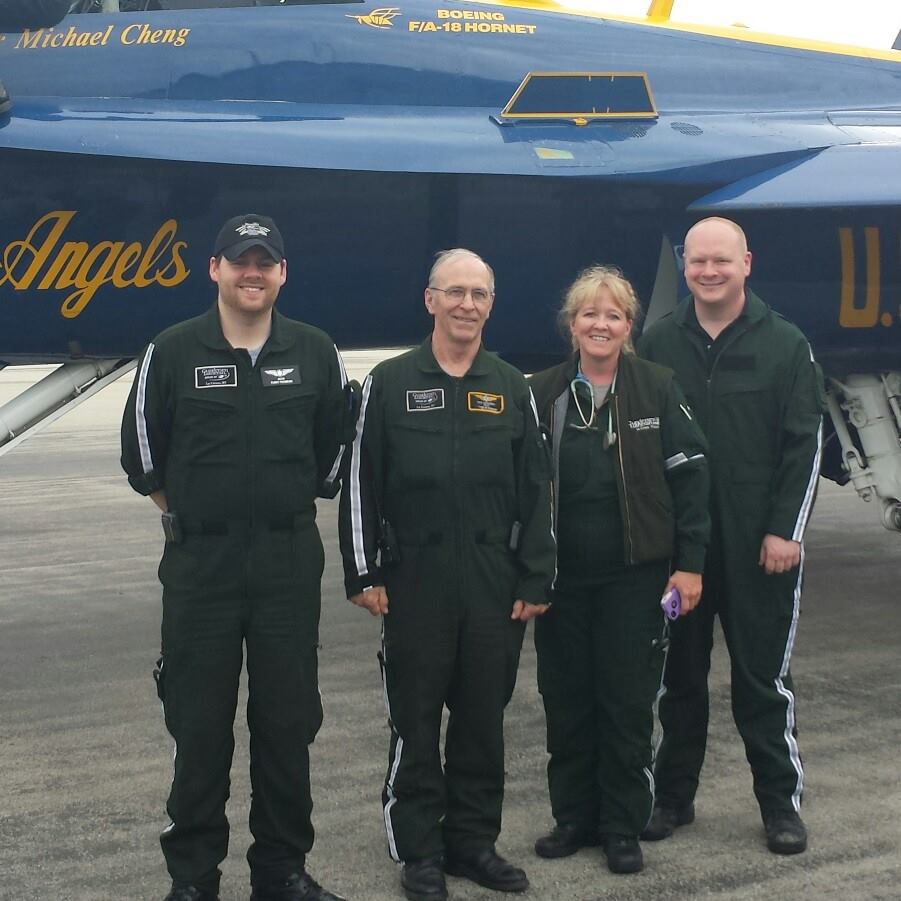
(737,363)
(216,376)
(283,375)
(418,401)
(643,425)
(480,402)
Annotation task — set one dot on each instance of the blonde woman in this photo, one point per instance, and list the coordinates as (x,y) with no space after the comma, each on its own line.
(630,511)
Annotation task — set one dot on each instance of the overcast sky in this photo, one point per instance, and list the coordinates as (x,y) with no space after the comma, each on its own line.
(869,23)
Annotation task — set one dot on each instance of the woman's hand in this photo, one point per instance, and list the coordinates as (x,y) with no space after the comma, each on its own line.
(689,586)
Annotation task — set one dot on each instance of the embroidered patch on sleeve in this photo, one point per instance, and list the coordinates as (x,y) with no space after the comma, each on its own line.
(422,399)
(480,402)
(216,376)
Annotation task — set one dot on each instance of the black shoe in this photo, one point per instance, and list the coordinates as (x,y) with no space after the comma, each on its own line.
(487,868)
(664,821)
(785,831)
(423,880)
(296,887)
(5,103)
(565,839)
(623,854)
(183,892)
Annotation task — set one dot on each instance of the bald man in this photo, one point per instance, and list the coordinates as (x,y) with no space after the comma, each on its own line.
(756,391)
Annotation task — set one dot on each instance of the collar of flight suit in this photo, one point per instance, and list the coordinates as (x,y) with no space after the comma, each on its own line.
(426,361)
(754,311)
(210,332)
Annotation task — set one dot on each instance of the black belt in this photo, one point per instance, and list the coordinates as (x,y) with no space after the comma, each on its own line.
(287,523)
(429,538)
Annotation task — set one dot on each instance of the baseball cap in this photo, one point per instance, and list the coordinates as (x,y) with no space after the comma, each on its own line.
(240,233)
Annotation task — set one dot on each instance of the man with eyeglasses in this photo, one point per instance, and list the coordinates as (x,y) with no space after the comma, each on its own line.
(446,532)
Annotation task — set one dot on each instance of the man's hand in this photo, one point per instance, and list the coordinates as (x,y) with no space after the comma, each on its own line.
(689,586)
(375,600)
(779,555)
(524,611)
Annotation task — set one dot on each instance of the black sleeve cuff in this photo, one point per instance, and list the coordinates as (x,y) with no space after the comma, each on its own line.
(146,483)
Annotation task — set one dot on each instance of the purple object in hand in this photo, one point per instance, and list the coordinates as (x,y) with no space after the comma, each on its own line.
(671,603)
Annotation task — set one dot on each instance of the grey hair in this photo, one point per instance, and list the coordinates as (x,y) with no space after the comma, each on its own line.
(448,256)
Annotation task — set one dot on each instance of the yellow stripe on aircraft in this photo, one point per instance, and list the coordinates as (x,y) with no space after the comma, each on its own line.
(658,13)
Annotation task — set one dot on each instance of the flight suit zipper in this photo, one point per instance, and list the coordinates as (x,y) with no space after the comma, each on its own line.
(710,375)
(455,482)
(622,477)
(250,469)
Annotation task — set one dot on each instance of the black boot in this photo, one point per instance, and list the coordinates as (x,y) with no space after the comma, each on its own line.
(665,820)
(487,868)
(785,831)
(296,887)
(623,854)
(181,891)
(565,839)
(423,880)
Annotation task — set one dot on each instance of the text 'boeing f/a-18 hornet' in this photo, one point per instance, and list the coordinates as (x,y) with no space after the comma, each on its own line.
(544,138)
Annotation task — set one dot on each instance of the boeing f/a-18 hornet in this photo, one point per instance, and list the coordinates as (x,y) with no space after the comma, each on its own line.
(375,134)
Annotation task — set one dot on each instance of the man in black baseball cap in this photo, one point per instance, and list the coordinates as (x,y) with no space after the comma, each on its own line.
(234,425)
(240,233)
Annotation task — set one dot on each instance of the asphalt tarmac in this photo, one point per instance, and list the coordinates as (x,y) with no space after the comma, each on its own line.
(86,760)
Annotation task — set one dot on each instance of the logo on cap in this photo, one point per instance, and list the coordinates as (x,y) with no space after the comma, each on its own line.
(252,229)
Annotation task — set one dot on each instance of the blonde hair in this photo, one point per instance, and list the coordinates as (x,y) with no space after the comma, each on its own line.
(586,287)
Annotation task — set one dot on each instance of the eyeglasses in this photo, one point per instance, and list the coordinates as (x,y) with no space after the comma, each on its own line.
(457,294)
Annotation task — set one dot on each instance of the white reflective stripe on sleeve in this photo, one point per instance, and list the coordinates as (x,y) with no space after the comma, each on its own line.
(140,415)
(538,423)
(680,458)
(534,408)
(341,368)
(356,500)
(810,493)
(336,466)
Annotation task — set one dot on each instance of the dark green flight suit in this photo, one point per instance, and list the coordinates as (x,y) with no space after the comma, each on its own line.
(758,395)
(457,469)
(241,452)
(624,515)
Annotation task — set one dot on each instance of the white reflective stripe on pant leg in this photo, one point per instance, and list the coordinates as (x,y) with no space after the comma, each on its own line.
(395,765)
(392,799)
(652,788)
(790,740)
(661,691)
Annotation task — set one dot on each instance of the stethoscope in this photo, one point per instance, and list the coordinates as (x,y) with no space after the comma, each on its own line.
(609,438)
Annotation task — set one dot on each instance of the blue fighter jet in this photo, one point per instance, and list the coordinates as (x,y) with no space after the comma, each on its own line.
(546,139)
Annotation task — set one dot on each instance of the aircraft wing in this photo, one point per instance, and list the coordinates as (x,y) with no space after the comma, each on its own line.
(459,140)
(851,175)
